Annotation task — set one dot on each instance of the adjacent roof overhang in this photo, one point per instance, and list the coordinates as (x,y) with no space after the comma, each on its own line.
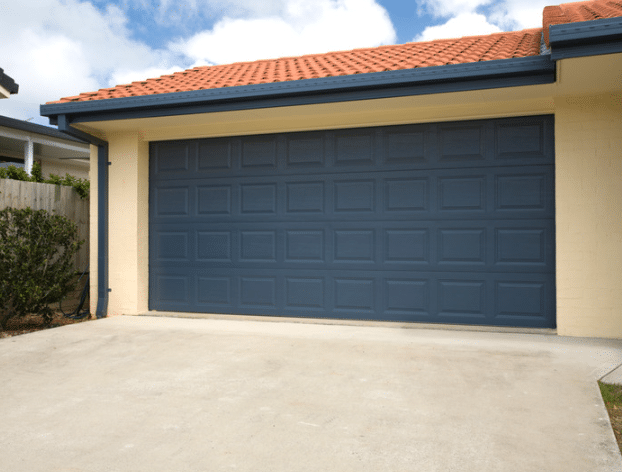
(390,84)
(7,85)
(34,128)
(587,38)
(48,143)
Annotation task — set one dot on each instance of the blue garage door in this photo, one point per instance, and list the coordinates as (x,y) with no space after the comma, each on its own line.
(446,222)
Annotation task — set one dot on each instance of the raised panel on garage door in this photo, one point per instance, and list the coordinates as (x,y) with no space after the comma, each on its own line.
(439,223)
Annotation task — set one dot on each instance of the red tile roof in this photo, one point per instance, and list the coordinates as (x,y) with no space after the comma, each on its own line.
(579,11)
(360,61)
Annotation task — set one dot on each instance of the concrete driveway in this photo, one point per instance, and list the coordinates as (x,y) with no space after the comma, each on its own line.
(171,394)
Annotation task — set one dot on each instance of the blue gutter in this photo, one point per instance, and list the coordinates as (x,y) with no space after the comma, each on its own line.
(586,38)
(400,83)
(102,212)
(102,232)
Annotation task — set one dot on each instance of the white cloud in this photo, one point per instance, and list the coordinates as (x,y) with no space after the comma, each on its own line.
(126,76)
(518,14)
(57,48)
(167,12)
(477,17)
(464,24)
(447,8)
(304,27)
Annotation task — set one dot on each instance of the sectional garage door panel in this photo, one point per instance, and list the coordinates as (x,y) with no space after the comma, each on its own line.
(449,222)
(495,299)
(457,246)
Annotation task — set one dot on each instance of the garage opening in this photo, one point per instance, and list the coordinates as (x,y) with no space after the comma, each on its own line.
(436,223)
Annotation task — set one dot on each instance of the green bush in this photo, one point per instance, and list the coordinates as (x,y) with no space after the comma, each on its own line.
(81,186)
(14,173)
(36,262)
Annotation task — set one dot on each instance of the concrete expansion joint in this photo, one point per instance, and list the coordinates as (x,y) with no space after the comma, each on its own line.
(616,377)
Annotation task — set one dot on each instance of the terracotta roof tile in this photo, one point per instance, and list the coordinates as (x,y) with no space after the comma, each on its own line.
(361,61)
(358,61)
(579,11)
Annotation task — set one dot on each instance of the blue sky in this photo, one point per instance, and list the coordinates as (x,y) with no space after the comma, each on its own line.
(58,48)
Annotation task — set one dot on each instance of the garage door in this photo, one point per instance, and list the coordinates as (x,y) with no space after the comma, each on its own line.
(446,222)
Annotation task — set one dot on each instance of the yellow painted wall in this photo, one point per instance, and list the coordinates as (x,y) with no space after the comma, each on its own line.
(128,224)
(588,172)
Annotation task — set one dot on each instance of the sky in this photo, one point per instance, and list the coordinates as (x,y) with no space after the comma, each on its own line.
(60,48)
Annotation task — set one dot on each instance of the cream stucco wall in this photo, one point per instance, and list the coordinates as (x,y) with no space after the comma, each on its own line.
(128,207)
(588,178)
(128,199)
(588,171)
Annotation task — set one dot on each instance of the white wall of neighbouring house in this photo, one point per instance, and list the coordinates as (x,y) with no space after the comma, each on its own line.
(61,168)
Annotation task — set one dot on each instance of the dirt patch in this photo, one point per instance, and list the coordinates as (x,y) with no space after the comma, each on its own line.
(30,323)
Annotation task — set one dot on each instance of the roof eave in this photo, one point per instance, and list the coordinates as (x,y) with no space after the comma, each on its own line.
(8,83)
(26,126)
(430,80)
(586,38)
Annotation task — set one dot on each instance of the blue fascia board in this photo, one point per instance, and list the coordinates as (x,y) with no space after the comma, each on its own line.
(586,38)
(328,97)
(65,127)
(429,80)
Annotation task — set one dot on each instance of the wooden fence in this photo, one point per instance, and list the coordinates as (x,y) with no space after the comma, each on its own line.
(56,199)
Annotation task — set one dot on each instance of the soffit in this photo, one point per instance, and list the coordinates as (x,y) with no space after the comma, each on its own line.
(512,101)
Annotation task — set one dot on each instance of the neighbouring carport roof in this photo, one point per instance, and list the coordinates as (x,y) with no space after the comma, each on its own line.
(48,143)
(8,83)
(21,125)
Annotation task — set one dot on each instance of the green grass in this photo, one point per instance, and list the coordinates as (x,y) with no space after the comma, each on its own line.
(612,395)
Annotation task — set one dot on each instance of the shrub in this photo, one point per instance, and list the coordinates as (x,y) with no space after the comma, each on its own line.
(82,186)
(36,262)
(14,173)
